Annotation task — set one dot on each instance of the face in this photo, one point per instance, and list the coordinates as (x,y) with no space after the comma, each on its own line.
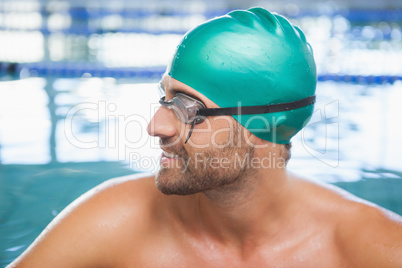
(215,155)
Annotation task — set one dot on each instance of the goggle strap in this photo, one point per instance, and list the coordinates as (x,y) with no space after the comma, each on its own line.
(263,109)
(191,130)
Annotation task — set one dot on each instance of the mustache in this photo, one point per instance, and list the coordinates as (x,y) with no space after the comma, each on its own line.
(173,145)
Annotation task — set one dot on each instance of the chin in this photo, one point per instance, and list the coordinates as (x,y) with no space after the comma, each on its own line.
(170,181)
(174,182)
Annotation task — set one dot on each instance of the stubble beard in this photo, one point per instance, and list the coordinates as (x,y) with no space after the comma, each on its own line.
(193,175)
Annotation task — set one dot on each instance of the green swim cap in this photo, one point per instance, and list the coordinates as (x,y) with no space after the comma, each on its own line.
(250,58)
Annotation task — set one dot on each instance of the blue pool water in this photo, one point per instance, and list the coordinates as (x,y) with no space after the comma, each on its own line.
(60,137)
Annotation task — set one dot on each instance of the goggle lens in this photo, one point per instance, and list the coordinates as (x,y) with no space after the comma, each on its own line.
(185,108)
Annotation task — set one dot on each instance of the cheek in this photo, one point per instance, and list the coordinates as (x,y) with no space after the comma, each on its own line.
(201,136)
(224,133)
(222,136)
(215,132)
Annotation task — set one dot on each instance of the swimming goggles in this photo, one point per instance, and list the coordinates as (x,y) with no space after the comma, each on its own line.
(192,111)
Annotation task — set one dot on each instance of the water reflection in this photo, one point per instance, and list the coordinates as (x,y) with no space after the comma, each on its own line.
(24,121)
(63,120)
(355,130)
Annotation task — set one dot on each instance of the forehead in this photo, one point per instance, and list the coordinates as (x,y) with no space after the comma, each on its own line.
(172,85)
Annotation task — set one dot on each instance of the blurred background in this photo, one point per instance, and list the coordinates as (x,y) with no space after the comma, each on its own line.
(78,86)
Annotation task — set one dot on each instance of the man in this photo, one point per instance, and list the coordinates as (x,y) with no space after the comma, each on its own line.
(238,88)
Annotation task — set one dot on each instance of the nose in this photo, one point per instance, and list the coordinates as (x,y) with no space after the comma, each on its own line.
(163,123)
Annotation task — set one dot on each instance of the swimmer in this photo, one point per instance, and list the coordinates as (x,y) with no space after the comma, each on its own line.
(238,88)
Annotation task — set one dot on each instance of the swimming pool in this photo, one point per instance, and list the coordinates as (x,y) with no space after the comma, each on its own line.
(60,137)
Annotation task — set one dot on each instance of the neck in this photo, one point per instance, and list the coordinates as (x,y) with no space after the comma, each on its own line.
(243,211)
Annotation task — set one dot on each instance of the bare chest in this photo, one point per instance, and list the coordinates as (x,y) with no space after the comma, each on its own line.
(312,253)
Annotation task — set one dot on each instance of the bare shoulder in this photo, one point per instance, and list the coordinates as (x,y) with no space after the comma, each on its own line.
(369,235)
(366,234)
(93,229)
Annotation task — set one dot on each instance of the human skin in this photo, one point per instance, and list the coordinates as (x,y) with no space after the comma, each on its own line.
(268,218)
